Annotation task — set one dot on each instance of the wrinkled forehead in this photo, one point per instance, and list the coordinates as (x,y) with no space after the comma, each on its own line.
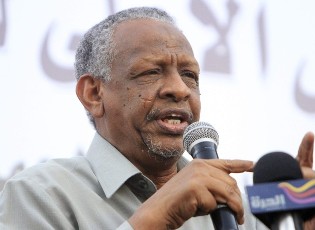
(149,33)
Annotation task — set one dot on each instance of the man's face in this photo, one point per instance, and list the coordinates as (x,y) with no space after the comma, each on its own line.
(153,95)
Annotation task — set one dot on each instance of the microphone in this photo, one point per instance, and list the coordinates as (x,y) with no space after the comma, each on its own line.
(277,167)
(201,141)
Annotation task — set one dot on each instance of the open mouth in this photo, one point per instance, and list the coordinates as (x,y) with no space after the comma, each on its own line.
(174,121)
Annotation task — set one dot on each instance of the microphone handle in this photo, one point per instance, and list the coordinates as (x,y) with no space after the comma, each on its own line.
(223,217)
(204,150)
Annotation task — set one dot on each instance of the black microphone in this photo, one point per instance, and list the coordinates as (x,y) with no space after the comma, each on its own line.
(279,167)
(200,141)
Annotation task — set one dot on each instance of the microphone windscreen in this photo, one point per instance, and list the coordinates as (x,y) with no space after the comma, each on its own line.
(276,166)
(197,131)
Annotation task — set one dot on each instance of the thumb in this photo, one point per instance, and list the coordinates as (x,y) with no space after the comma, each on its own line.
(305,153)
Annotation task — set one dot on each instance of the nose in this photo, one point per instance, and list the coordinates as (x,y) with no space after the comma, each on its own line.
(175,88)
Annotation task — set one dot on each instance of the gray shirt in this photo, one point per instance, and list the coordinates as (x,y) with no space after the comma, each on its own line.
(99,191)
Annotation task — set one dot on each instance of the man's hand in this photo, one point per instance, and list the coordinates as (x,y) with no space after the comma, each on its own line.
(305,155)
(305,158)
(195,190)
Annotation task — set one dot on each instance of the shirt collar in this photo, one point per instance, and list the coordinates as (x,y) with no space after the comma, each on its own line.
(111,167)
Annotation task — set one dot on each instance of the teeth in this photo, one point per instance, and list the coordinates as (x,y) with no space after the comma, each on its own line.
(173,121)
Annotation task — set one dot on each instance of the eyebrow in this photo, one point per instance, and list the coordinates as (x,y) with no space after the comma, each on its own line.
(184,61)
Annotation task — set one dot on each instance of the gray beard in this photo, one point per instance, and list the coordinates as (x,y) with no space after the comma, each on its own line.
(158,150)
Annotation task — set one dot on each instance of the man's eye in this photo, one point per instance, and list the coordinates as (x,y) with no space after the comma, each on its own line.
(190,75)
(190,78)
(152,72)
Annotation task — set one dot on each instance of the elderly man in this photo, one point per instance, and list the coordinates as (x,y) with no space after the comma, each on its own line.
(138,80)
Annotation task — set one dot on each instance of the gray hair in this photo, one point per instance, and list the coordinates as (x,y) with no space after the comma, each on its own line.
(96,50)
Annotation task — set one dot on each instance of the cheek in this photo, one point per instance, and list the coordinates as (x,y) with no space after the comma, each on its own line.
(118,100)
(146,101)
(132,102)
(142,98)
(195,105)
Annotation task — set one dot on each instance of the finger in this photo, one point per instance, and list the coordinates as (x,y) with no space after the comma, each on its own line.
(230,182)
(206,203)
(308,173)
(310,224)
(225,193)
(213,170)
(233,166)
(305,153)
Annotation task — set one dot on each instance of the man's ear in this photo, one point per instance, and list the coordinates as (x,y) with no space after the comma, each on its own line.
(89,93)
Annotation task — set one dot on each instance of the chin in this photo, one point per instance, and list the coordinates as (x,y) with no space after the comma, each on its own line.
(166,152)
(165,157)
(166,148)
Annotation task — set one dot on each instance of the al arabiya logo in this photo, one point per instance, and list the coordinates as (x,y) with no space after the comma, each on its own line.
(303,194)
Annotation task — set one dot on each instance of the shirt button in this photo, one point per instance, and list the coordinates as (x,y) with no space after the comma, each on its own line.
(142,184)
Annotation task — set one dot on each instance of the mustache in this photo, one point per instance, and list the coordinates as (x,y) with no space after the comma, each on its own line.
(160,113)
(153,114)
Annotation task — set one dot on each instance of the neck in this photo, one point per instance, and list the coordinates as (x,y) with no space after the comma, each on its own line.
(160,177)
(159,171)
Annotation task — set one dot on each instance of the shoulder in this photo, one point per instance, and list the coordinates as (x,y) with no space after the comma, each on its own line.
(45,196)
(56,172)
